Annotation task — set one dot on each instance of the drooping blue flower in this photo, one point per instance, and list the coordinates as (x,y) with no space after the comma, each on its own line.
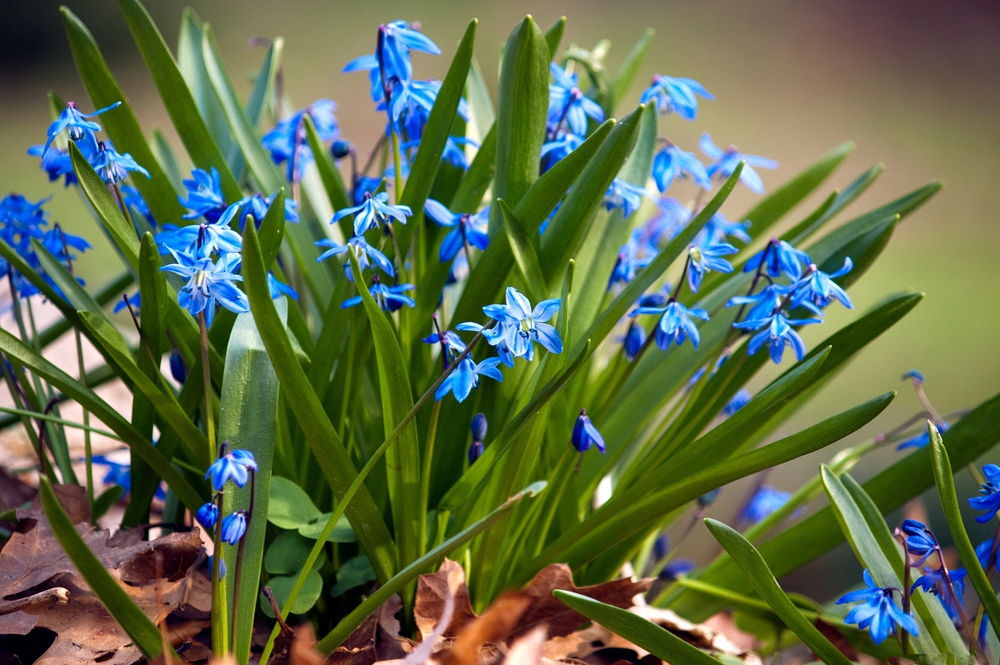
(207,515)
(55,162)
(208,283)
(366,254)
(764,303)
(568,105)
(202,240)
(879,613)
(923,439)
(131,301)
(364,185)
(373,211)
(920,542)
(478,427)
(739,400)
(234,526)
(74,123)
(257,206)
(708,498)
(675,94)
(118,473)
(465,377)
(675,324)
(287,141)
(818,288)
(389,298)
(726,161)
(586,435)
(671,162)
(779,257)
(58,243)
(914,375)
(177,368)
(635,337)
(631,259)
(276,288)
(777,332)
(764,501)
(410,105)
(720,229)
(933,581)
(624,196)
(676,569)
(671,218)
(204,195)
(989,494)
(476,450)
(987,555)
(112,166)
(466,229)
(452,342)
(233,465)
(706,259)
(391,60)
(520,325)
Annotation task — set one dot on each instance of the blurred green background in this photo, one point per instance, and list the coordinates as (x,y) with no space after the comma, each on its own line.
(914,84)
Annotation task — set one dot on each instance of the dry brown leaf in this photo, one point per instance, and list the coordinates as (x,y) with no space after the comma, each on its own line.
(376,639)
(13,492)
(432,590)
(498,622)
(700,635)
(527,650)
(302,650)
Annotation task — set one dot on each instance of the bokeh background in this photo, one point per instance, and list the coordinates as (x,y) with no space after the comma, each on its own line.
(914,84)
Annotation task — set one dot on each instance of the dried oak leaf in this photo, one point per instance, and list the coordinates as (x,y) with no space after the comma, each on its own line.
(701,635)
(376,639)
(432,594)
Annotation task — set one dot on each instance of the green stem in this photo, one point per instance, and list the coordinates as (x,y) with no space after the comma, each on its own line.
(206,375)
(220,629)
(425,481)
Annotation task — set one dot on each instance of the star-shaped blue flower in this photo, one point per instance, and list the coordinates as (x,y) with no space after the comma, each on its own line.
(879,613)
(776,332)
(234,466)
(366,254)
(373,211)
(675,94)
(725,162)
(818,288)
(989,494)
(208,282)
(112,166)
(706,259)
(675,324)
(520,325)
(568,105)
(389,298)
(672,162)
(465,228)
(465,377)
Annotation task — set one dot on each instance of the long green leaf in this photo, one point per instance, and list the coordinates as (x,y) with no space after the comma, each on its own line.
(525,252)
(118,603)
(326,445)
(762,579)
(645,634)
(177,96)
(347,625)
(625,75)
(945,481)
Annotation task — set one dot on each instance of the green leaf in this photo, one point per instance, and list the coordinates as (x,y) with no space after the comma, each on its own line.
(522,111)
(645,634)
(326,445)
(247,417)
(347,625)
(328,174)
(351,574)
(121,123)
(288,554)
(290,507)
(264,85)
(118,603)
(943,478)
(525,252)
(554,35)
(177,96)
(282,586)
(760,576)
(20,353)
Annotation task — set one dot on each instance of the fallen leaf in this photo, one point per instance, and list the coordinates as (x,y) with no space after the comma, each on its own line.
(527,650)
(13,492)
(376,639)
(432,592)
(700,635)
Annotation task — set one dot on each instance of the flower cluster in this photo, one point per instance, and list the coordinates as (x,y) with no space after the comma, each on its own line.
(236,467)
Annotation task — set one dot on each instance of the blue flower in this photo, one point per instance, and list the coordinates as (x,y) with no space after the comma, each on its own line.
(586,435)
(914,375)
(623,195)
(934,581)
(465,377)
(55,162)
(985,551)
(708,498)
(628,263)
(204,195)
(452,341)
(478,427)
(390,298)
(207,515)
(112,166)
(177,368)
(276,288)
(989,499)
(410,107)
(556,148)
(920,542)
(706,259)
(257,205)
(365,253)
(521,326)
(118,473)
(133,199)
(879,613)
(779,257)
(75,124)
(672,162)
(777,332)
(234,465)
(466,229)
(719,229)
(568,105)
(739,400)
(476,450)
(132,300)
(374,210)
(202,240)
(675,569)
(234,526)
(635,337)
(675,94)
(671,218)
(764,501)
(287,141)
(764,303)
(58,243)
(209,282)
(726,161)
(675,324)
(818,288)
(391,60)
